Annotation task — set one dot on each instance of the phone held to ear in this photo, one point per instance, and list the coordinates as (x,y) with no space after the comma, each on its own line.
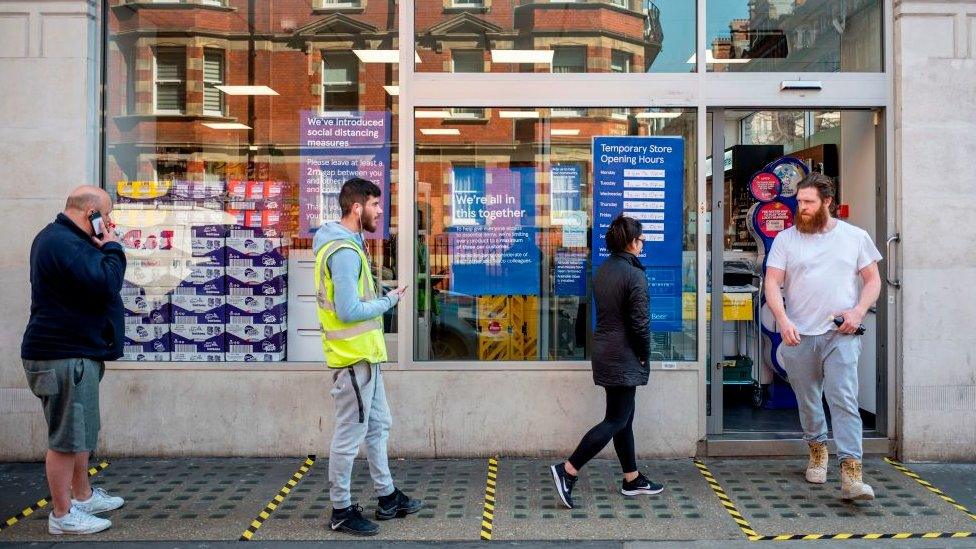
(98,224)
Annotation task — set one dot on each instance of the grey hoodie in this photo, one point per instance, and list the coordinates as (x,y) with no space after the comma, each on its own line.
(345,266)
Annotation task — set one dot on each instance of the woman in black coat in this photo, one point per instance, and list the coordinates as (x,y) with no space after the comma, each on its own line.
(621,345)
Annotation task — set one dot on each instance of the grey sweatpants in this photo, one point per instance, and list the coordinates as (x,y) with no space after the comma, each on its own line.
(826,365)
(361,414)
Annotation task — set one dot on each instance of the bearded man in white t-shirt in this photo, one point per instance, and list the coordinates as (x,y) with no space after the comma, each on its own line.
(827,268)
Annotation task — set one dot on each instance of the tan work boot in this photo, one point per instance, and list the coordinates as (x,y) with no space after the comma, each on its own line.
(852,486)
(817,467)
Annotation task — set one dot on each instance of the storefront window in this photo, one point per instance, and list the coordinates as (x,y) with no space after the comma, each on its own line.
(228,135)
(558,36)
(791,36)
(510,211)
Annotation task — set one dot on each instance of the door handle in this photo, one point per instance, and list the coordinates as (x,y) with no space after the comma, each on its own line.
(891,281)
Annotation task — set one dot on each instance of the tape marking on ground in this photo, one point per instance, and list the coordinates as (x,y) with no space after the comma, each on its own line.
(45,501)
(928,486)
(726,501)
(278,499)
(901,535)
(488,514)
(753,536)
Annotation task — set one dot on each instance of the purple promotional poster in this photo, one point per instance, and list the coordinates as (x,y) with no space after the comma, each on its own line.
(336,147)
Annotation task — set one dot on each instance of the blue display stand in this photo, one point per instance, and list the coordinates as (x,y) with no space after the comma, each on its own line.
(774,188)
(781,395)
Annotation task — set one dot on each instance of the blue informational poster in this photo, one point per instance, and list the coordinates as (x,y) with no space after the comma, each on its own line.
(492,236)
(570,273)
(643,178)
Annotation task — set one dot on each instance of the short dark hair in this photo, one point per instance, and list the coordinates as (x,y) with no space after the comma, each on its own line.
(356,190)
(824,185)
(623,230)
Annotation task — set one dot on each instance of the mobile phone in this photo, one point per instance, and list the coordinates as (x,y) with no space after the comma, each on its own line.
(839,321)
(98,224)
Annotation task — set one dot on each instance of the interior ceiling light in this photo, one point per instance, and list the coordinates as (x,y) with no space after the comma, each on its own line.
(226,125)
(659,115)
(522,56)
(432,114)
(247,90)
(559,132)
(382,56)
(710,58)
(440,131)
(392,90)
(518,114)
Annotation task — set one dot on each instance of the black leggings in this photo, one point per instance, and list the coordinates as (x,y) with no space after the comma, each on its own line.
(617,425)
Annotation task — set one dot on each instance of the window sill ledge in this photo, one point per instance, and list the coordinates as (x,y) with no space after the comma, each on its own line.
(466,9)
(339,9)
(166,116)
(466,121)
(173,6)
(435,366)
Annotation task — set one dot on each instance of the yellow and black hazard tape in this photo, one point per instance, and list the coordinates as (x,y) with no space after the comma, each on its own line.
(901,535)
(754,536)
(726,501)
(488,514)
(276,501)
(43,502)
(928,486)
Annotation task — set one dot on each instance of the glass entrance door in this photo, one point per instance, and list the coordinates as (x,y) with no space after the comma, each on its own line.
(765,153)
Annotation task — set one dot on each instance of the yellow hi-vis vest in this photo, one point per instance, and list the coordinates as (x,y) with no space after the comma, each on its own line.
(346,343)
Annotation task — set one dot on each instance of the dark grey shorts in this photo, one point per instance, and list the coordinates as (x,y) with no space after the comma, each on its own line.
(68,389)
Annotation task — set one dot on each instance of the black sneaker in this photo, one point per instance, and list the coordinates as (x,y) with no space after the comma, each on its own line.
(564,483)
(397,505)
(351,521)
(641,485)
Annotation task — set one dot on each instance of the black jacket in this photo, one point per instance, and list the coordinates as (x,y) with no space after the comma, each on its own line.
(76,309)
(622,340)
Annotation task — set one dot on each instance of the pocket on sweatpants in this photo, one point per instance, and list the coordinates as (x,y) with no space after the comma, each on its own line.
(849,349)
(365,377)
(43,383)
(345,395)
(79,372)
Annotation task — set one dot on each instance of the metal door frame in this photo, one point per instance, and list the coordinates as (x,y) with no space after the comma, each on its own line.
(881,440)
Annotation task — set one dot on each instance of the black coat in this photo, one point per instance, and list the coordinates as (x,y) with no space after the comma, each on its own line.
(622,340)
(76,309)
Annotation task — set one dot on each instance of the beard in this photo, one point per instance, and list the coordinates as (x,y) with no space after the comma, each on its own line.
(813,223)
(369,223)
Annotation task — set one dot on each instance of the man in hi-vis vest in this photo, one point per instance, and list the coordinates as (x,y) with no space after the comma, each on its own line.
(351,315)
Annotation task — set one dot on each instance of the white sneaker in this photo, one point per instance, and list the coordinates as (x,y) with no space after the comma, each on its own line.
(99,502)
(76,521)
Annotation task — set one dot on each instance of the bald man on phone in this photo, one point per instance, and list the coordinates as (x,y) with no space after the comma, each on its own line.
(76,324)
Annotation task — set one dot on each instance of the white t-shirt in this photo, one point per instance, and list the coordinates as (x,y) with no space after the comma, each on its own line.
(822,273)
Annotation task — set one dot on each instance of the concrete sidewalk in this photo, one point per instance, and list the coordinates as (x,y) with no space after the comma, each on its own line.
(574,544)
(190,500)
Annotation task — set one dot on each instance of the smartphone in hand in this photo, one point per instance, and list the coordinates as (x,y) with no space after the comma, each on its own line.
(98,224)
